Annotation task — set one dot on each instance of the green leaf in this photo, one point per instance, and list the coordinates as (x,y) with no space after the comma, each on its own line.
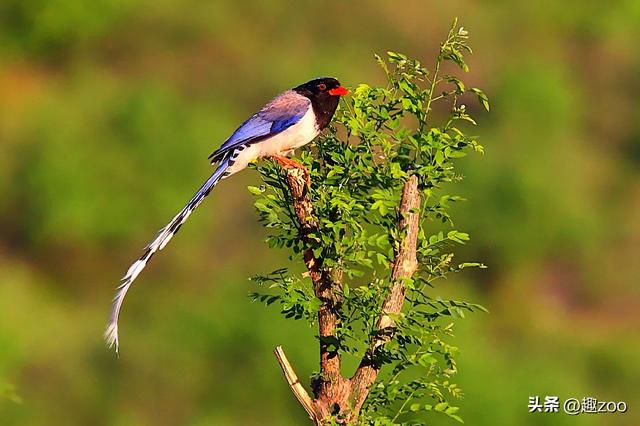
(255,190)
(441,406)
(482,98)
(460,88)
(427,359)
(451,410)
(457,154)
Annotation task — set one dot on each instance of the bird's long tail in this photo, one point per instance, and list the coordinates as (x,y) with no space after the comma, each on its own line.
(164,236)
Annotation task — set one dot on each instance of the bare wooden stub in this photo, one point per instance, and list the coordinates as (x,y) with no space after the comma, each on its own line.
(294,383)
(335,394)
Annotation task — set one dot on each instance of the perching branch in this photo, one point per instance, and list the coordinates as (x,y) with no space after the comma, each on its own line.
(331,388)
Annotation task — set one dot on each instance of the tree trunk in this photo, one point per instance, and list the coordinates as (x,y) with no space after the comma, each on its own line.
(334,394)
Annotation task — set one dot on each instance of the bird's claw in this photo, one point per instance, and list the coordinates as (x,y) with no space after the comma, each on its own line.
(288,164)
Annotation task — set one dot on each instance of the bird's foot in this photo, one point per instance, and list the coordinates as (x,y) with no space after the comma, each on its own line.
(288,163)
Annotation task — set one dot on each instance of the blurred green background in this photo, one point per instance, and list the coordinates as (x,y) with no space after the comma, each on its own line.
(109,108)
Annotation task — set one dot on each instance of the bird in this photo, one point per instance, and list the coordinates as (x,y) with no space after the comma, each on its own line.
(289,121)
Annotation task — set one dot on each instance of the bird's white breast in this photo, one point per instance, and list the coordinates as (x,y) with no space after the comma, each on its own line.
(300,134)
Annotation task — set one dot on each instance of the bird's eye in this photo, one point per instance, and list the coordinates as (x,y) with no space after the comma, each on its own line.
(322,86)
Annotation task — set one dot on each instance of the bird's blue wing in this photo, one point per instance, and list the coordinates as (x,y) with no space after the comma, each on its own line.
(278,115)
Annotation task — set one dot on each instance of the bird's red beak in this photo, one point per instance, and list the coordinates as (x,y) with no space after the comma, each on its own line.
(338,91)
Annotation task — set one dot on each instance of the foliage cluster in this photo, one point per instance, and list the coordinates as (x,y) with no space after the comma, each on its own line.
(357,177)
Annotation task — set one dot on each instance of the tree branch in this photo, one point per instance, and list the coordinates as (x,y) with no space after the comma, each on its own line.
(335,395)
(295,385)
(331,389)
(404,266)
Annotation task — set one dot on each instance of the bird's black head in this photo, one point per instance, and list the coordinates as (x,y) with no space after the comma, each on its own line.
(321,87)
(324,94)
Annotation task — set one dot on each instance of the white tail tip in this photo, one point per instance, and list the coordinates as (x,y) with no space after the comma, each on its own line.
(111,336)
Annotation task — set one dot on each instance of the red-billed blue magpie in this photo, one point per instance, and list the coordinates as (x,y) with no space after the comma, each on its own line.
(289,121)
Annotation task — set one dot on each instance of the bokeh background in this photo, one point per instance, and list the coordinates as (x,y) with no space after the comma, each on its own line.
(109,108)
